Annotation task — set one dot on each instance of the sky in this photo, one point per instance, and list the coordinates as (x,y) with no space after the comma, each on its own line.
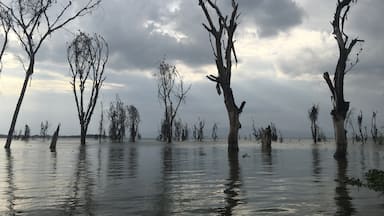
(283,46)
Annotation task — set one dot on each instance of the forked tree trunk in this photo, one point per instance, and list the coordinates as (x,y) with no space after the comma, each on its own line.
(18,106)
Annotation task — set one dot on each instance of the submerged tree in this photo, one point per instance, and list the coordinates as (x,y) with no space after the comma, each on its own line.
(87,56)
(223,48)
(200,130)
(44,129)
(27,132)
(32,22)
(133,122)
(360,124)
(214,132)
(374,131)
(345,45)
(117,115)
(313,113)
(171,93)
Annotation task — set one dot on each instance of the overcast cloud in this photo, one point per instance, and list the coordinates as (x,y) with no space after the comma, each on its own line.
(284,46)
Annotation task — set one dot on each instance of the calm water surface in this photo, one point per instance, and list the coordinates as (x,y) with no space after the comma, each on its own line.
(151,178)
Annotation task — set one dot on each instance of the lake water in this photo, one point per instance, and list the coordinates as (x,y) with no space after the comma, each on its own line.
(152,178)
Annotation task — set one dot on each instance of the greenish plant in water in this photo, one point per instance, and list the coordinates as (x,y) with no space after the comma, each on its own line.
(373,180)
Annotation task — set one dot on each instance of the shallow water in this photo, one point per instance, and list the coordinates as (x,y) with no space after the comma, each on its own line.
(151,178)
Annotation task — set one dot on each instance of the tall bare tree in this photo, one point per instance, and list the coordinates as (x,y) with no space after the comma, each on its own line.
(87,56)
(360,125)
(223,48)
(33,22)
(313,113)
(171,93)
(133,122)
(5,22)
(345,44)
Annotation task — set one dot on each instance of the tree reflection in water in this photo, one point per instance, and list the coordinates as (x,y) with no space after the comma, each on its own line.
(232,187)
(316,166)
(342,197)
(80,194)
(266,158)
(11,198)
(132,161)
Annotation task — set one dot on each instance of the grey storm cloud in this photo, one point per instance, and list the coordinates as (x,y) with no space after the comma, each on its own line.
(272,17)
(137,30)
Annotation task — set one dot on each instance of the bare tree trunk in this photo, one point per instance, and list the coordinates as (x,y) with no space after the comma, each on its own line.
(54,139)
(234,122)
(18,106)
(83,135)
(340,137)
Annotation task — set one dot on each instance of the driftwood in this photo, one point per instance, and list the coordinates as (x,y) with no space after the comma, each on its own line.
(54,139)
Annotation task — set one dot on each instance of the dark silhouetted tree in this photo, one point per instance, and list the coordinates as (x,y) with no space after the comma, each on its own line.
(87,56)
(274,135)
(32,22)
(5,22)
(117,115)
(27,132)
(223,48)
(214,132)
(133,122)
(200,130)
(360,125)
(313,113)
(171,93)
(374,131)
(185,133)
(345,45)
(55,136)
(44,129)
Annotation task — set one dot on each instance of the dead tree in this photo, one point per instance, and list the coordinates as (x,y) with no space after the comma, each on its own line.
(44,129)
(214,132)
(374,131)
(87,56)
(117,115)
(360,124)
(5,22)
(32,22)
(171,93)
(200,130)
(223,48)
(345,45)
(313,113)
(133,122)
(55,136)
(27,133)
